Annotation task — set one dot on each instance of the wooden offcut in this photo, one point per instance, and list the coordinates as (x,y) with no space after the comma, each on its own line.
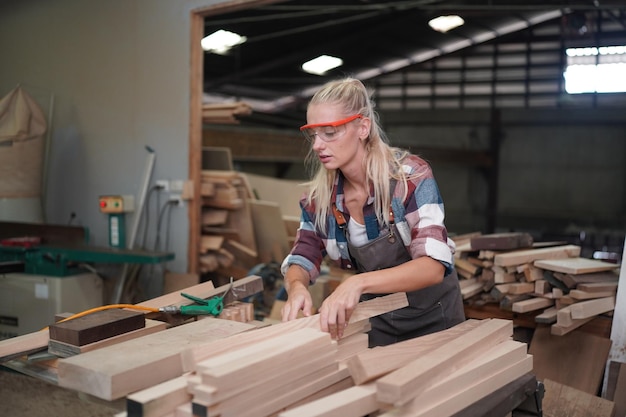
(64,350)
(97,326)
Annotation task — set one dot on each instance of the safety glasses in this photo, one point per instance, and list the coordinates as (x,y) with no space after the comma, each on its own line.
(329,131)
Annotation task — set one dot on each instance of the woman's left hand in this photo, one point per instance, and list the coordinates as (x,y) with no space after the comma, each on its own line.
(337,308)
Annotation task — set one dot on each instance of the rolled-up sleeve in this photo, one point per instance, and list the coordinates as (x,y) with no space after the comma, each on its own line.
(425,217)
(308,250)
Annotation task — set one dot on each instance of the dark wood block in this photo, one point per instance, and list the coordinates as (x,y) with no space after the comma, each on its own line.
(501,241)
(97,326)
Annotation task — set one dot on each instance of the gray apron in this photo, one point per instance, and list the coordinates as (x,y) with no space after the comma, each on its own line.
(430,310)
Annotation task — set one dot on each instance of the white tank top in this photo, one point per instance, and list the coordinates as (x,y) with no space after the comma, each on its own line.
(358,233)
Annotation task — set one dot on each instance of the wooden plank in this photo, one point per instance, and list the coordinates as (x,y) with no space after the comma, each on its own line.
(521,288)
(214,217)
(489,362)
(548,316)
(479,387)
(378,361)
(352,402)
(531,304)
(359,319)
(606,276)
(211,243)
(351,346)
(97,326)
(591,308)
(581,368)
(65,350)
(558,329)
(269,229)
(530,255)
(254,362)
(542,287)
(114,371)
(22,345)
(286,193)
(562,400)
(399,386)
(253,406)
(501,241)
(575,265)
(252,397)
(465,265)
(584,295)
(159,399)
(597,286)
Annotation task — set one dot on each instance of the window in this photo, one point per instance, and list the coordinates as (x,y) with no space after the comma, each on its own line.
(595,70)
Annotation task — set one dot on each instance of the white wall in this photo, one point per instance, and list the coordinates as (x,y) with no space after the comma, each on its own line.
(119,74)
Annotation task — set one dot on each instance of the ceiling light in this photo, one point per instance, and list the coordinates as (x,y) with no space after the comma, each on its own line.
(445,23)
(321,64)
(221,41)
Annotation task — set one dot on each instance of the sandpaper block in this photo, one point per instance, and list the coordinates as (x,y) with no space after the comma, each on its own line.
(97,326)
(501,241)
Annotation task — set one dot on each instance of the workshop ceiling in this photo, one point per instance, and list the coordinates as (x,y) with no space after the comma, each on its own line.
(374,39)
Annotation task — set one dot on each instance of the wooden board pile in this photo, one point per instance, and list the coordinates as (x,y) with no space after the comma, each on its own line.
(294,369)
(227,244)
(550,281)
(239,231)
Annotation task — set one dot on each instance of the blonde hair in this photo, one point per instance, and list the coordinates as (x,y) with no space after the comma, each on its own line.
(381,163)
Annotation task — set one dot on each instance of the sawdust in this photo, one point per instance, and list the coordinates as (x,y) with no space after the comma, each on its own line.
(25,396)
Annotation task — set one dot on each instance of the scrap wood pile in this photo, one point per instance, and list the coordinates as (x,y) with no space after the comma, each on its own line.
(239,231)
(294,369)
(548,280)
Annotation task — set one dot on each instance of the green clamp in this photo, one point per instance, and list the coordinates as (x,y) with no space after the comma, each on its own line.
(213,306)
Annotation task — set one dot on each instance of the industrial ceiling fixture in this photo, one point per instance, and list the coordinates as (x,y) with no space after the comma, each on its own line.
(322,64)
(221,41)
(445,23)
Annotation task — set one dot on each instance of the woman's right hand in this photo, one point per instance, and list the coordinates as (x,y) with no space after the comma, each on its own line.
(298,299)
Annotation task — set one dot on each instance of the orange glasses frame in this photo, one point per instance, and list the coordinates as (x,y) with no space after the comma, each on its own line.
(333,124)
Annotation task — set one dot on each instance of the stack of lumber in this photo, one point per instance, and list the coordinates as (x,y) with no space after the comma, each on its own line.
(294,369)
(224,113)
(228,243)
(239,230)
(550,281)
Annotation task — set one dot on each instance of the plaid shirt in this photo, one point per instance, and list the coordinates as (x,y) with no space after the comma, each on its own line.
(419,219)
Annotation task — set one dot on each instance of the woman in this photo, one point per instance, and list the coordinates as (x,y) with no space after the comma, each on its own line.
(376,210)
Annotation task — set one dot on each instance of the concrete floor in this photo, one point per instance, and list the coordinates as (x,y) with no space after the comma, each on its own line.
(25,396)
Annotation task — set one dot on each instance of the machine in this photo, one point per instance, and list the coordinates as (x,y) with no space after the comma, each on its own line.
(48,269)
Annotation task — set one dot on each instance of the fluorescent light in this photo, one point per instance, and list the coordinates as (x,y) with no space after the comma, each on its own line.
(321,64)
(445,23)
(221,41)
